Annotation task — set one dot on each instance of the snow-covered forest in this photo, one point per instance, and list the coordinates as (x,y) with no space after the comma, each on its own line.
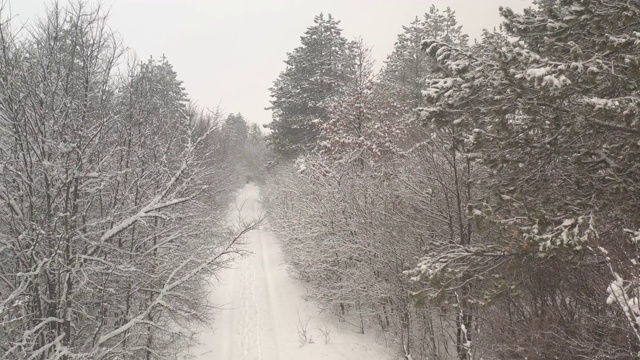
(113,188)
(464,199)
(471,200)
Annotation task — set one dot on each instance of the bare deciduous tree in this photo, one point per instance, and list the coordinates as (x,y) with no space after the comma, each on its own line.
(110,194)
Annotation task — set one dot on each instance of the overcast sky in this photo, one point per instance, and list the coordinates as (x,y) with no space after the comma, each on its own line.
(228,52)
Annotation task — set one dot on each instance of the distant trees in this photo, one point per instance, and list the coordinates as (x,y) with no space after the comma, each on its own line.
(108,191)
(245,145)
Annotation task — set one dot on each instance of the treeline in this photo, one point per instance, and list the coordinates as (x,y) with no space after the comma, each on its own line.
(113,190)
(471,201)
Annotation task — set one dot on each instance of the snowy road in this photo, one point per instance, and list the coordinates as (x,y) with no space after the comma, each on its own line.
(262,306)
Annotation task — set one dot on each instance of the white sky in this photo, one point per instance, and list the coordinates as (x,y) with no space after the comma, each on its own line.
(229,52)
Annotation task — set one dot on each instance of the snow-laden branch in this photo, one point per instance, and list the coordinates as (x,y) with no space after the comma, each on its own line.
(172,283)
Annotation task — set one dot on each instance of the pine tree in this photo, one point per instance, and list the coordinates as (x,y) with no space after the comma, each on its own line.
(408,66)
(236,129)
(316,73)
(552,119)
(360,121)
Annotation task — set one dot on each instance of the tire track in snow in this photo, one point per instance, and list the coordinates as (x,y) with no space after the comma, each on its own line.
(256,309)
(270,292)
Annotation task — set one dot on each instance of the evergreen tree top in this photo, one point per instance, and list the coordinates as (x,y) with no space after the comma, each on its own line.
(317,71)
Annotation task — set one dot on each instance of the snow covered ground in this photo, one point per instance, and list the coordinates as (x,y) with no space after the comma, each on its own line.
(263,308)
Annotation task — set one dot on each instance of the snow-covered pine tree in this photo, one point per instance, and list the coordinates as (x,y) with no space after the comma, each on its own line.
(407,67)
(553,118)
(237,128)
(236,133)
(434,167)
(360,122)
(316,73)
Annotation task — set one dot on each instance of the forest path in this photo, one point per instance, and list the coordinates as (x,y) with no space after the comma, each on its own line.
(262,307)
